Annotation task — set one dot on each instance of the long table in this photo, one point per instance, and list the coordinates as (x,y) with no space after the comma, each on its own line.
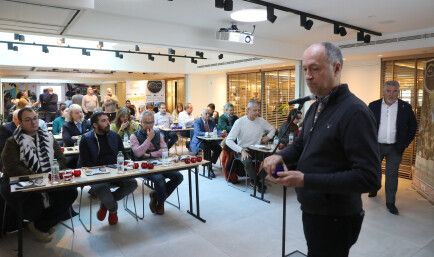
(85,180)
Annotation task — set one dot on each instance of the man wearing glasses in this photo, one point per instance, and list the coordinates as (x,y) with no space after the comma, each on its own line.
(31,150)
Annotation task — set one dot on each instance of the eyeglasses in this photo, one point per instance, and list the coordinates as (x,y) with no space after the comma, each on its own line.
(34,119)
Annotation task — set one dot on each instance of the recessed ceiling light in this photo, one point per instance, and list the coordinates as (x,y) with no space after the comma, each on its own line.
(380,55)
(250,15)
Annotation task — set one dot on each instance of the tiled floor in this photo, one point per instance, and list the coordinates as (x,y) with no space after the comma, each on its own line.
(237,226)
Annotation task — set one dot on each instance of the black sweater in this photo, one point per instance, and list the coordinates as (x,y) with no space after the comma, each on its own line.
(339,156)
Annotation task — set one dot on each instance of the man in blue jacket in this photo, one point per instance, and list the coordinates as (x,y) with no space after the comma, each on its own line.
(396,125)
(100,146)
(212,149)
(336,156)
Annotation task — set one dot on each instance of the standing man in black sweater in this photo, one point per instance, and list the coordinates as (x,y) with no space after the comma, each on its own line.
(396,125)
(336,157)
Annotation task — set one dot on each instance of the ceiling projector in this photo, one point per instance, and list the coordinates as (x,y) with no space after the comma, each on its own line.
(233,34)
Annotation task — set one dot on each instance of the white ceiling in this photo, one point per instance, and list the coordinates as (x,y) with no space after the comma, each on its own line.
(193,23)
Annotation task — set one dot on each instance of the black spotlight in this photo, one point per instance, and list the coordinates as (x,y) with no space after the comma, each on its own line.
(119,55)
(150,57)
(200,54)
(219,3)
(45,49)
(193,61)
(171,58)
(220,56)
(304,22)
(270,14)
(19,37)
(362,37)
(12,47)
(171,51)
(137,48)
(339,30)
(85,52)
(228,5)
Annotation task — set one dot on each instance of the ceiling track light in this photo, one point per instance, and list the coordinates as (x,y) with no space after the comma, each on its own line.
(304,22)
(308,23)
(45,49)
(171,58)
(362,37)
(228,5)
(270,14)
(12,47)
(219,3)
(172,51)
(150,57)
(199,53)
(193,61)
(220,56)
(137,48)
(337,29)
(119,55)
(85,52)
(19,37)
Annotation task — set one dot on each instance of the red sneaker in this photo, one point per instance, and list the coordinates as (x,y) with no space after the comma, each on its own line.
(113,218)
(102,212)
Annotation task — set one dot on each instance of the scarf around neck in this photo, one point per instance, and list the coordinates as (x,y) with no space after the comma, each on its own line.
(37,157)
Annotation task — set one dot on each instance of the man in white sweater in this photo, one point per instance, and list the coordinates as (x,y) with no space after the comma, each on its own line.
(249,130)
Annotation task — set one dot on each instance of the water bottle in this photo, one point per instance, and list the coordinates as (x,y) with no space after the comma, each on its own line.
(290,138)
(214,132)
(165,155)
(120,162)
(126,138)
(78,140)
(55,177)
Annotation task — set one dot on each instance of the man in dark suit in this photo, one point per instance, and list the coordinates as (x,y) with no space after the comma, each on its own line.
(396,124)
(202,125)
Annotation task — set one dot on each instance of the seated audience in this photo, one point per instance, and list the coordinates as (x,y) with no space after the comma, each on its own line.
(179,108)
(211,109)
(293,128)
(165,120)
(148,143)
(74,125)
(59,121)
(131,107)
(227,119)
(7,130)
(32,150)
(212,149)
(249,130)
(101,146)
(123,124)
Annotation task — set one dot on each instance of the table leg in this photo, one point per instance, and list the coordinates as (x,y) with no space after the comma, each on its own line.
(196,176)
(20,226)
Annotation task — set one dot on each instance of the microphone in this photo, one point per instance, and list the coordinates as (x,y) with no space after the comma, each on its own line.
(302,100)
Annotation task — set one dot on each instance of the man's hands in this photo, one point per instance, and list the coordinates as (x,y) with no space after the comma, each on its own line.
(291,178)
(150,133)
(244,155)
(264,140)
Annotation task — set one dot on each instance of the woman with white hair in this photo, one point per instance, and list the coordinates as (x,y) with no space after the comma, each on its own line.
(74,125)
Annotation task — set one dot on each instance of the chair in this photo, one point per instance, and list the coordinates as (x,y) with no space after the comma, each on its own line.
(150,185)
(230,172)
(88,229)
